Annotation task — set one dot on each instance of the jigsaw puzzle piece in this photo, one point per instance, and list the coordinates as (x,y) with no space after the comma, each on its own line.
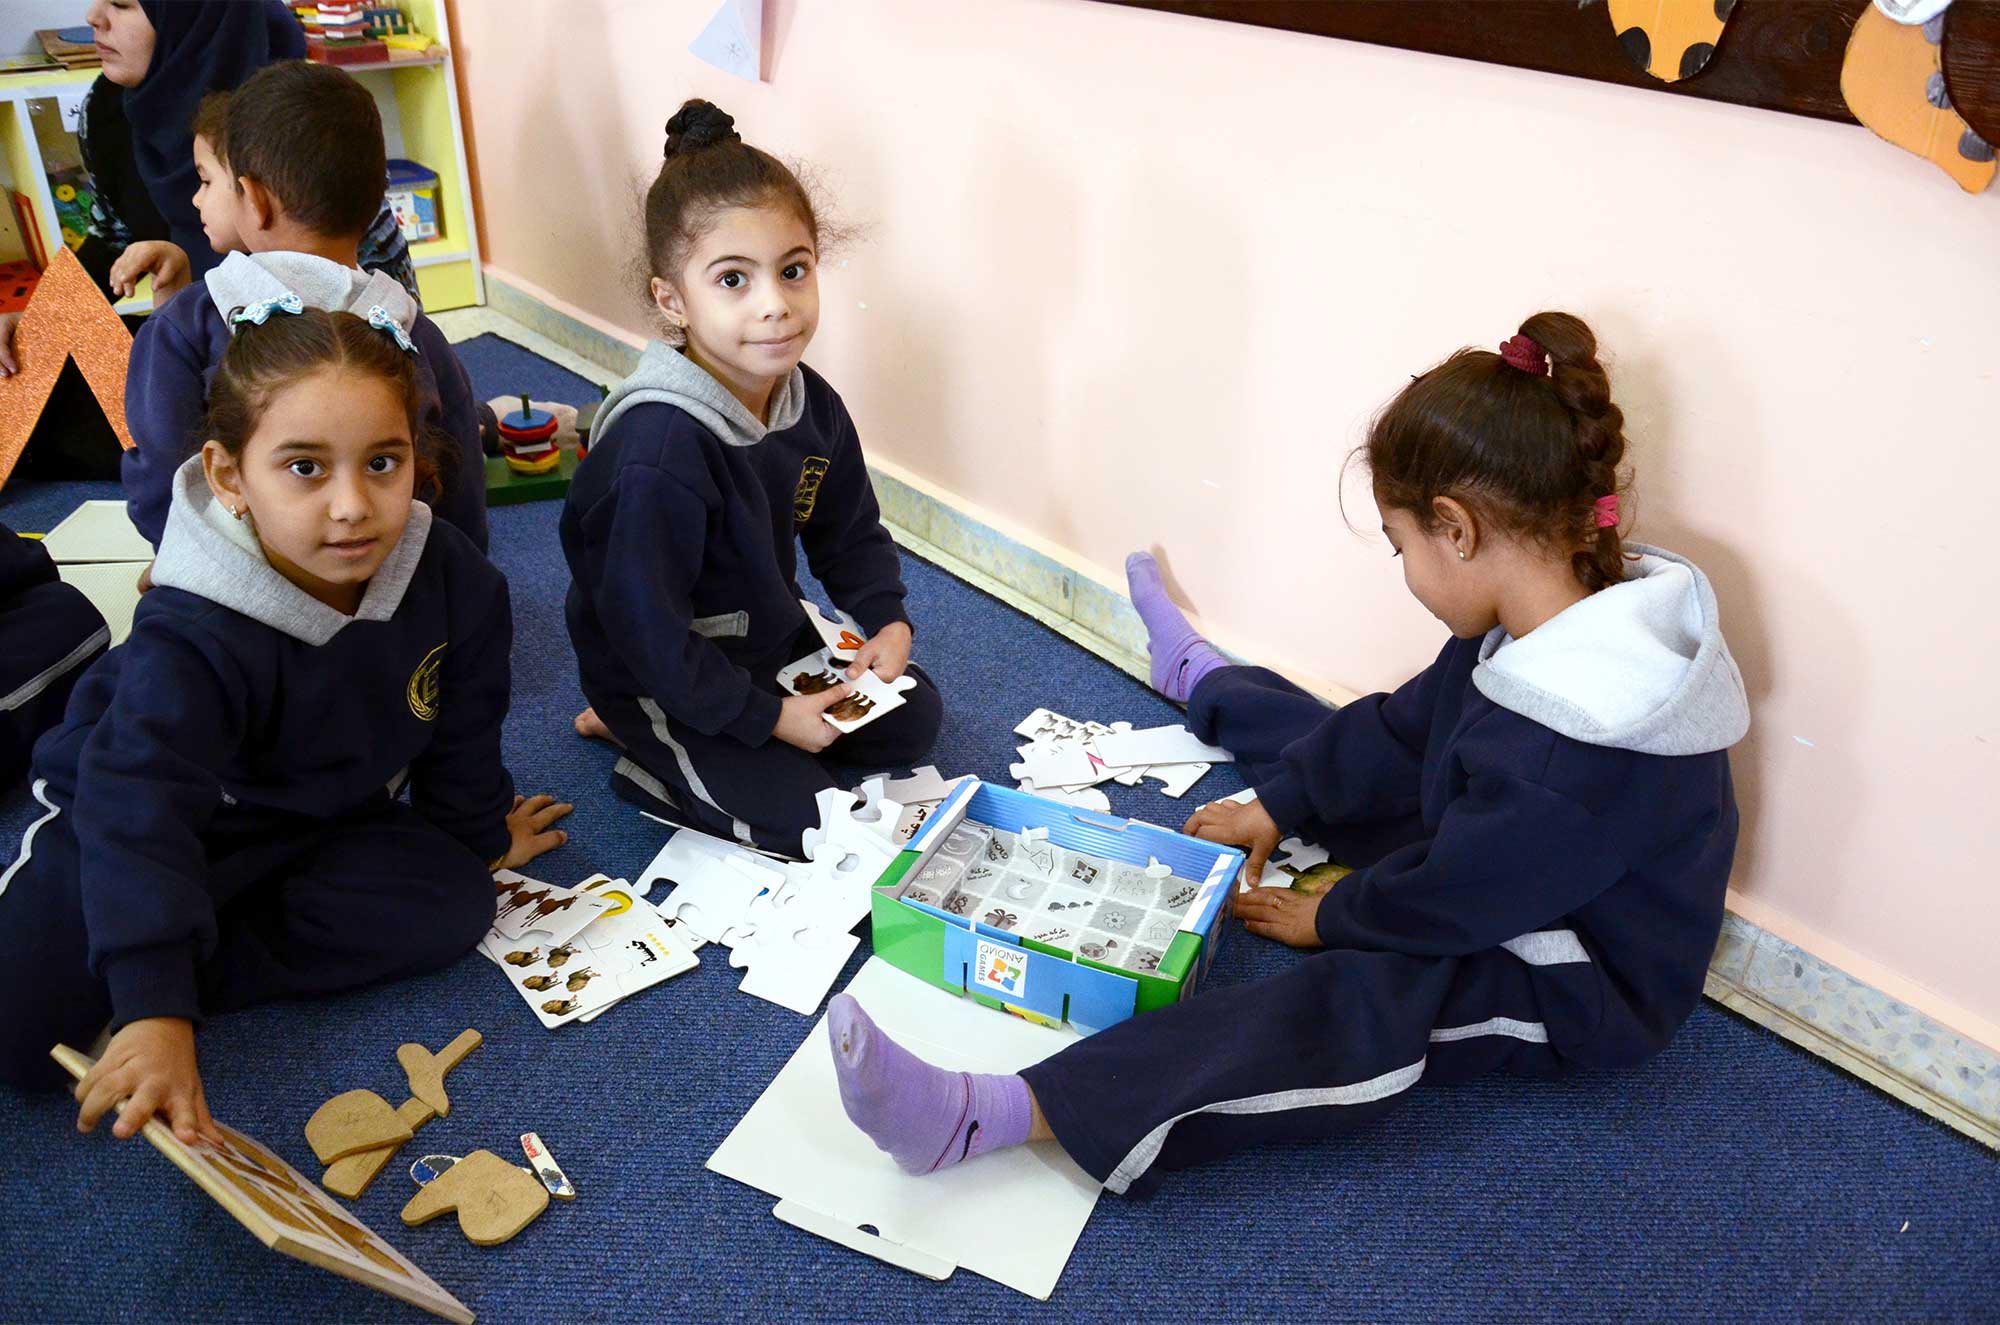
(791,957)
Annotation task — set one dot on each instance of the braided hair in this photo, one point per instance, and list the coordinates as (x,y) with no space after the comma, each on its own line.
(1528,438)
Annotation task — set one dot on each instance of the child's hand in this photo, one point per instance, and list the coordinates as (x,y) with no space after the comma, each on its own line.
(165,260)
(7,365)
(1279,913)
(887,653)
(1237,825)
(528,825)
(802,721)
(149,1064)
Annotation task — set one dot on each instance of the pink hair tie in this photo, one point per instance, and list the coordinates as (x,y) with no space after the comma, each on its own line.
(1606,508)
(1526,354)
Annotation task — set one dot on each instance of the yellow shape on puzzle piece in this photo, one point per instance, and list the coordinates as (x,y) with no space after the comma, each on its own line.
(494,1199)
(1893,79)
(355,1121)
(351,1175)
(1670,39)
(66,318)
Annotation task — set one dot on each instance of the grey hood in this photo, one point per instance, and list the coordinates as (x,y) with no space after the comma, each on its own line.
(208,552)
(251,278)
(1640,666)
(667,376)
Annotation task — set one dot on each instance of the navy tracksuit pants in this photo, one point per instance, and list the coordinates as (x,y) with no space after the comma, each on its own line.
(49,636)
(765,795)
(308,907)
(1325,1048)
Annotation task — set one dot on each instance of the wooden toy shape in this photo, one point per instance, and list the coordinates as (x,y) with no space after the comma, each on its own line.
(353,1174)
(67,318)
(426,1070)
(1893,79)
(494,1199)
(350,1123)
(1670,39)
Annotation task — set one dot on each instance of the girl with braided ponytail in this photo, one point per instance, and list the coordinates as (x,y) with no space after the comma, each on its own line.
(709,466)
(1540,824)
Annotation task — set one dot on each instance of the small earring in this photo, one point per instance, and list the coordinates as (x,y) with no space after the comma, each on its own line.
(1461,554)
(237,511)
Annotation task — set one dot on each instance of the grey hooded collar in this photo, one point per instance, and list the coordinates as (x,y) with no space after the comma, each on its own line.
(1640,665)
(666,376)
(208,553)
(242,279)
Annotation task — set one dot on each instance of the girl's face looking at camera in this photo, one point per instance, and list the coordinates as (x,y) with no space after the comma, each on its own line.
(326,478)
(748,298)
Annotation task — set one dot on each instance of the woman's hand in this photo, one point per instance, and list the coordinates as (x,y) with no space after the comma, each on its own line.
(528,827)
(1238,825)
(1279,913)
(166,262)
(150,1065)
(802,720)
(886,653)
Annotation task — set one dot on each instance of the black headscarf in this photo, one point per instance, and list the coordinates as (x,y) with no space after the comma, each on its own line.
(199,46)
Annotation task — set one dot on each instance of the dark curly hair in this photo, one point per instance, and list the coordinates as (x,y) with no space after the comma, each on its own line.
(1532,452)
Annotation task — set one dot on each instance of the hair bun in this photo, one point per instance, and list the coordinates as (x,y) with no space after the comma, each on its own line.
(698,124)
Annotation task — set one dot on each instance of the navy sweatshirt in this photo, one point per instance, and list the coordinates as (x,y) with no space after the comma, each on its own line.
(1508,826)
(178,348)
(239,704)
(679,530)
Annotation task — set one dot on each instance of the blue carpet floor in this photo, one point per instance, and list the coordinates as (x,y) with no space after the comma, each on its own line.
(1732,1178)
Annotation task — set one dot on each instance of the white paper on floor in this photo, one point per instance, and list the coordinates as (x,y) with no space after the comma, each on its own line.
(797,1144)
(97,531)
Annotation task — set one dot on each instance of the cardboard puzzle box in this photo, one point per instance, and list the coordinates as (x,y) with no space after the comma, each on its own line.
(1059,914)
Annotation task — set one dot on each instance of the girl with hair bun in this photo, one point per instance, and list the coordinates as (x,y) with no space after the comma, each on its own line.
(1540,824)
(708,467)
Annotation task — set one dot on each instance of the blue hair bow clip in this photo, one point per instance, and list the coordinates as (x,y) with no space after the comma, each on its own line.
(260,312)
(382,320)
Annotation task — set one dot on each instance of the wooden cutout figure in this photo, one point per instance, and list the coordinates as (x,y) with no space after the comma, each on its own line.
(1670,39)
(66,319)
(358,1120)
(1893,79)
(352,1175)
(494,1199)
(426,1070)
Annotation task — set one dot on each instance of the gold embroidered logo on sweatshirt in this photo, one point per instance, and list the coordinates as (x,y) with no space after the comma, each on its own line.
(808,490)
(424,683)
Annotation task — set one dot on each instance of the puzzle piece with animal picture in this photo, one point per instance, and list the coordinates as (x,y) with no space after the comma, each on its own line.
(523,906)
(871,698)
(629,947)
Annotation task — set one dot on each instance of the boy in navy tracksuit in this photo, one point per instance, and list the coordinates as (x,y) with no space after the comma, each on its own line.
(1541,823)
(708,466)
(225,817)
(306,152)
(49,633)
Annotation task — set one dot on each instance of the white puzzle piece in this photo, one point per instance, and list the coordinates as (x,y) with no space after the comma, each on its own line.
(1159,745)
(1175,779)
(1294,852)
(841,633)
(523,905)
(716,904)
(1058,766)
(1089,798)
(872,696)
(792,954)
(924,786)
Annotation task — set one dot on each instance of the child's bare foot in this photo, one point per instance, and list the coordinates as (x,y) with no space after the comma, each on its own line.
(588,724)
(927,1118)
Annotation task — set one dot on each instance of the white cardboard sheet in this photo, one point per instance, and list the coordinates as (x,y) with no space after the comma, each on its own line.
(98,531)
(797,1144)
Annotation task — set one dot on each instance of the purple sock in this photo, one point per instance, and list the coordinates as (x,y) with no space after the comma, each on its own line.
(1180,656)
(925,1117)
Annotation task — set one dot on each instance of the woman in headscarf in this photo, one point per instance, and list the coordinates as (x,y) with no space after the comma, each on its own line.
(160,58)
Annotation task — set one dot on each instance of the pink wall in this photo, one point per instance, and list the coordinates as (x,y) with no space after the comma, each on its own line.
(1169,267)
